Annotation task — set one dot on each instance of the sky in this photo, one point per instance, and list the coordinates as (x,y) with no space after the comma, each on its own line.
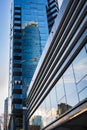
(4,49)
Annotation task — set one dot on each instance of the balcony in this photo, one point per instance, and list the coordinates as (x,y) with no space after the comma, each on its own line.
(15,69)
(16,65)
(17,54)
(18,41)
(17,98)
(17,109)
(16,73)
(17,77)
(17,89)
(17,57)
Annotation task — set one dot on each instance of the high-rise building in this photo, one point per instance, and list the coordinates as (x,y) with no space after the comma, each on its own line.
(31,51)
(58,92)
(6,114)
(28,35)
(29,32)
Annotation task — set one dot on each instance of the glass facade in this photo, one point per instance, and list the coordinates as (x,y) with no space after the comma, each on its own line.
(36,11)
(22,13)
(26,45)
(68,91)
(31,51)
(60,85)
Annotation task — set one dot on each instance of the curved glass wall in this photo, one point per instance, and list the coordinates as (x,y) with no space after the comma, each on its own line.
(68,91)
(31,51)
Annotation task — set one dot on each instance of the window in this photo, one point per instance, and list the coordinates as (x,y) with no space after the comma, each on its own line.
(17,8)
(17,65)
(18,50)
(83,94)
(17,57)
(17,43)
(80,65)
(17,27)
(70,87)
(17,12)
(17,73)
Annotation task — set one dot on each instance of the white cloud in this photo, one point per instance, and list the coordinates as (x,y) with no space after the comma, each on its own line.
(3,88)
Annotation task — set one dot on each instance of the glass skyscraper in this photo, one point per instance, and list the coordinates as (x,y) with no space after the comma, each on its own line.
(31,51)
(36,11)
(28,35)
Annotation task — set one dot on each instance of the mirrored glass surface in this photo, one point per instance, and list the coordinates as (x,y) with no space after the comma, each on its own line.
(82,84)
(59,89)
(70,87)
(62,106)
(86,47)
(80,65)
(83,94)
(53,99)
(39,117)
(48,109)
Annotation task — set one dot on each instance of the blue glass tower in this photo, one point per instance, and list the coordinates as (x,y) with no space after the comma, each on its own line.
(28,35)
(31,51)
(36,11)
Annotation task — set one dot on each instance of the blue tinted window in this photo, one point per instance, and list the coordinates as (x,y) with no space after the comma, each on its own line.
(83,94)
(48,109)
(17,2)
(31,51)
(60,89)
(36,11)
(80,65)
(82,84)
(53,99)
(70,87)
(86,47)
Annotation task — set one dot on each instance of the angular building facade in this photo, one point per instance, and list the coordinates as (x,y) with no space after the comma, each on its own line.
(58,92)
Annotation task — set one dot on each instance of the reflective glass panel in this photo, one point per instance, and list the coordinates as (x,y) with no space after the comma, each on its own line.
(80,65)
(62,106)
(53,98)
(39,117)
(59,89)
(82,84)
(83,94)
(48,109)
(70,87)
(86,48)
